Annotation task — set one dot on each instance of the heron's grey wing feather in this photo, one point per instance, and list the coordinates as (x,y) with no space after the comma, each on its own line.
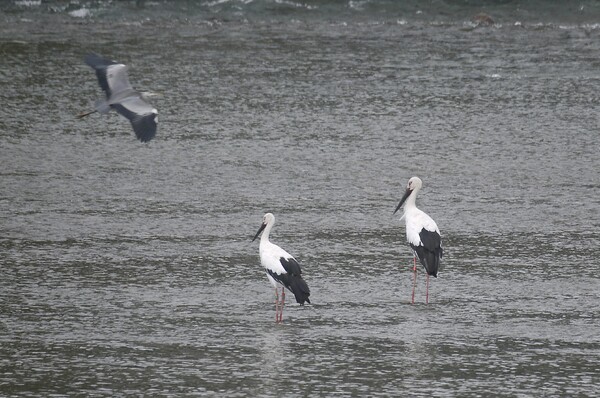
(117,79)
(143,117)
(112,75)
(98,62)
(100,65)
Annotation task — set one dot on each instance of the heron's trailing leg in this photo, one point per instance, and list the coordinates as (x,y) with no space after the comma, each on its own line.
(101,106)
(414,279)
(84,114)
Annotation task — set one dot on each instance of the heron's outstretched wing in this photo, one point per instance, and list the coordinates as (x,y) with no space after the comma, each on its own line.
(98,62)
(143,117)
(112,75)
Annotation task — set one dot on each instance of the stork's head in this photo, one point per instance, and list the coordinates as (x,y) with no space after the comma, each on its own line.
(414,184)
(268,219)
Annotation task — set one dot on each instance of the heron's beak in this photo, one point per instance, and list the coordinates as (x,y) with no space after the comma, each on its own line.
(259,231)
(406,195)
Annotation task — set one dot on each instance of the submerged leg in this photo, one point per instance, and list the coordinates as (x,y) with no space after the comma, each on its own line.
(414,279)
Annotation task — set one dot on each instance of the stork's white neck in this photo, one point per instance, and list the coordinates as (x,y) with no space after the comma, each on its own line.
(411,200)
(265,235)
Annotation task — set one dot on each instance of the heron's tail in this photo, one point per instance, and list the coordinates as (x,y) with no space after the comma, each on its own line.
(299,288)
(102,106)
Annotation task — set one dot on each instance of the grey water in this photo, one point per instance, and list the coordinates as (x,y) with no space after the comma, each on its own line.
(128,268)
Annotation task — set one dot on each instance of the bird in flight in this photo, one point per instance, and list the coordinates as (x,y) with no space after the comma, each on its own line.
(120,96)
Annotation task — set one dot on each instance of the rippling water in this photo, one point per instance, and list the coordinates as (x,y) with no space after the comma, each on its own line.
(128,269)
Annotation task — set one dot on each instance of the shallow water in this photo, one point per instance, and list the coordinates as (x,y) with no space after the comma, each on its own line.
(128,268)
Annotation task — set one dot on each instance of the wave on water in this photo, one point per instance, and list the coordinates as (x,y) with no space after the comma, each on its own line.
(562,13)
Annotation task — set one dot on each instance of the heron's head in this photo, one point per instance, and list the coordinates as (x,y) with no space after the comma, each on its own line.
(149,94)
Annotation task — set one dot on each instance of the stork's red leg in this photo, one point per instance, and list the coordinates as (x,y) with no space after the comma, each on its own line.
(427,291)
(282,304)
(276,306)
(414,279)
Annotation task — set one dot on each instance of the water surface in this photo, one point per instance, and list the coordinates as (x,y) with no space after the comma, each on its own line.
(128,268)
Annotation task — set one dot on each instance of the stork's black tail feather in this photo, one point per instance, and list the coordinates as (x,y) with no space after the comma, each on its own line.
(429,259)
(431,262)
(300,289)
(429,251)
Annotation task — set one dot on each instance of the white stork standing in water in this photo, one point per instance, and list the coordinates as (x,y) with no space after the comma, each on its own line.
(121,97)
(282,269)
(422,234)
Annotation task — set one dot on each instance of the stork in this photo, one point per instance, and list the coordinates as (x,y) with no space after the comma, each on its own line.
(282,269)
(422,234)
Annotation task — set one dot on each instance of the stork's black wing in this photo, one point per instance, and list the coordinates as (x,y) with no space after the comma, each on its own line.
(290,265)
(292,279)
(429,251)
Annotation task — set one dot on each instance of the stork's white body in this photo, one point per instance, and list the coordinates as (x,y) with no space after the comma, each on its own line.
(416,220)
(270,255)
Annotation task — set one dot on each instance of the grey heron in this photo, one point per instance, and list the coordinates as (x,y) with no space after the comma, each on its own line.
(121,97)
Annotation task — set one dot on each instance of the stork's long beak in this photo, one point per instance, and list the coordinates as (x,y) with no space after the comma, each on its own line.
(259,231)
(406,195)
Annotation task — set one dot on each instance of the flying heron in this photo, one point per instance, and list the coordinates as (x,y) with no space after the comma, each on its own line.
(120,96)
